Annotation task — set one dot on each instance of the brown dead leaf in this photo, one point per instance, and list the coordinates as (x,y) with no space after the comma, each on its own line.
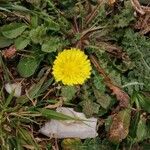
(146,9)
(120,95)
(119,128)
(111,2)
(9,52)
(143,23)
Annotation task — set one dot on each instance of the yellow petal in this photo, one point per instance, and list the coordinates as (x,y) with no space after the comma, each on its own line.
(72,67)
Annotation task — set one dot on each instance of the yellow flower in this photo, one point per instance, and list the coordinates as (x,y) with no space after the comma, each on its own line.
(72,67)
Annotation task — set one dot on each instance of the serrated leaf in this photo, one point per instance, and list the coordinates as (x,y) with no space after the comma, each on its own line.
(124,18)
(88,144)
(102,111)
(21,42)
(68,92)
(89,108)
(103,100)
(13,30)
(4,42)
(141,130)
(98,82)
(93,144)
(38,34)
(27,66)
(120,126)
(51,45)
(137,48)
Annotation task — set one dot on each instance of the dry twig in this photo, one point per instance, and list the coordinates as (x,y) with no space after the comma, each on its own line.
(136,5)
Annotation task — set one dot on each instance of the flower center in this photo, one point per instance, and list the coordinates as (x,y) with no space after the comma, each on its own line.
(70,69)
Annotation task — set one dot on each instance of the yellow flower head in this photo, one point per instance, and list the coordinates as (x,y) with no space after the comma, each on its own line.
(72,67)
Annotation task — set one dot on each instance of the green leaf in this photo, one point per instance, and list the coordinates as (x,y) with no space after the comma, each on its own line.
(103,100)
(27,137)
(51,45)
(141,130)
(88,144)
(89,108)
(15,142)
(96,144)
(98,82)
(124,18)
(51,114)
(71,144)
(68,92)
(34,91)
(46,85)
(133,125)
(28,65)
(21,42)
(52,25)
(13,30)
(108,123)
(20,8)
(4,42)
(5,9)
(143,102)
(38,34)
(35,88)
(148,129)
(137,48)
(34,21)
(8,100)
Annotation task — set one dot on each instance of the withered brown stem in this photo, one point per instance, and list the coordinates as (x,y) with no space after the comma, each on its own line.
(121,96)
